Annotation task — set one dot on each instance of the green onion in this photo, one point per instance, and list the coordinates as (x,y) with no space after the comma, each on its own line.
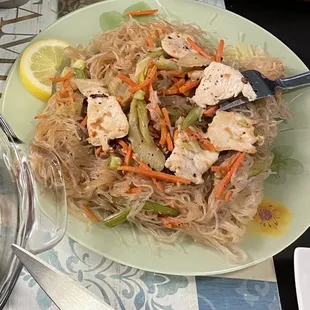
(114,162)
(144,122)
(79,73)
(192,117)
(116,219)
(160,209)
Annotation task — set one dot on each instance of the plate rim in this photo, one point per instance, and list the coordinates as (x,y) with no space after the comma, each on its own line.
(160,2)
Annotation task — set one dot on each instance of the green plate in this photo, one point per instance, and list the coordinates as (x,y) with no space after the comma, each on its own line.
(291,186)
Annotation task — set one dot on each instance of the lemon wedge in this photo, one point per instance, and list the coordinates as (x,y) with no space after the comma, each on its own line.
(40,62)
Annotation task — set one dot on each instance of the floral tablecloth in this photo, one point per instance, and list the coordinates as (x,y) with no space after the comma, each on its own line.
(121,286)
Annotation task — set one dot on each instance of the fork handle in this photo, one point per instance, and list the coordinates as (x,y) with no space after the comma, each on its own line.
(294,81)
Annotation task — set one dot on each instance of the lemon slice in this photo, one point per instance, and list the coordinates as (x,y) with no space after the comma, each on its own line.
(40,62)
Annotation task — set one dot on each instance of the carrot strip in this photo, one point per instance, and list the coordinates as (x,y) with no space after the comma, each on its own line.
(158,185)
(226,180)
(218,169)
(232,161)
(175,74)
(90,214)
(128,155)
(123,144)
(220,50)
(169,142)
(150,41)
(98,150)
(63,93)
(141,13)
(40,116)
(84,121)
(166,117)
(155,174)
(179,83)
(210,111)
(172,91)
(175,135)
(188,86)
(126,80)
(61,79)
(119,99)
(207,145)
(134,190)
(197,48)
(228,195)
(163,131)
(149,80)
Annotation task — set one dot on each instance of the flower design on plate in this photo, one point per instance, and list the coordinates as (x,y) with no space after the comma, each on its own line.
(272,219)
(283,164)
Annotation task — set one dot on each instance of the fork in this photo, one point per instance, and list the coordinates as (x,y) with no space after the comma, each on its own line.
(7,129)
(264,87)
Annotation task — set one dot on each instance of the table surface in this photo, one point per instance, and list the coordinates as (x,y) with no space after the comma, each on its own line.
(121,286)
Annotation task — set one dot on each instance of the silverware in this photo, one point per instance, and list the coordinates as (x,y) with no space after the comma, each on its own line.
(264,87)
(7,129)
(65,292)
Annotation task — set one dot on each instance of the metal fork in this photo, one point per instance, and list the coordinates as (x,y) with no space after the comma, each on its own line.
(7,129)
(264,87)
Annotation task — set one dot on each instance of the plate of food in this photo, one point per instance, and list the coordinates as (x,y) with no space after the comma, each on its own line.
(128,96)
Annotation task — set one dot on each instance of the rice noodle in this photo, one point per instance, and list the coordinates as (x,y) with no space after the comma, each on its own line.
(216,223)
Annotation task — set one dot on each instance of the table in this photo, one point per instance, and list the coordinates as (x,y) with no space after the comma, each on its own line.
(121,286)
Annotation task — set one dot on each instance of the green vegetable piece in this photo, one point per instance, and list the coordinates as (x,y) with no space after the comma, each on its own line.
(116,219)
(168,65)
(144,122)
(110,20)
(114,85)
(140,68)
(139,95)
(79,73)
(157,53)
(114,162)
(192,117)
(79,64)
(148,153)
(140,6)
(160,209)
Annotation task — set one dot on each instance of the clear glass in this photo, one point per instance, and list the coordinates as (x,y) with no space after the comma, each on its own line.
(30,216)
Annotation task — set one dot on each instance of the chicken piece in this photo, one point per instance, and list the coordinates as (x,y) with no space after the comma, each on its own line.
(175,45)
(106,120)
(221,82)
(189,161)
(232,131)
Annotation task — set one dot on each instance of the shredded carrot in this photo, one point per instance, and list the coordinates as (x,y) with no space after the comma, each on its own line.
(141,13)
(175,135)
(119,99)
(149,80)
(61,79)
(40,116)
(179,83)
(210,111)
(158,185)
(123,144)
(134,190)
(188,86)
(90,214)
(226,180)
(197,48)
(169,222)
(63,93)
(127,80)
(150,41)
(167,118)
(220,50)
(84,121)
(163,131)
(207,145)
(175,74)
(128,155)
(98,150)
(169,142)
(228,195)
(172,91)
(219,169)
(155,174)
